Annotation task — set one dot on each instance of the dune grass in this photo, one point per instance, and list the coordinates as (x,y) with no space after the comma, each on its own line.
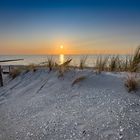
(114,64)
(78,79)
(117,64)
(131,82)
(31,67)
(101,64)
(82,63)
(63,67)
(50,63)
(124,64)
(15,72)
(134,65)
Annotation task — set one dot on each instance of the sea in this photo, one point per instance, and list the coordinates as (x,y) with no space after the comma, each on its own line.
(41,59)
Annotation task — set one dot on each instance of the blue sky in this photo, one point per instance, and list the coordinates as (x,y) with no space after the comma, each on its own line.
(77,24)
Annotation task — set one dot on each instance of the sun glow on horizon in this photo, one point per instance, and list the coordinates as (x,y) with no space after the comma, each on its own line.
(61,47)
(15,47)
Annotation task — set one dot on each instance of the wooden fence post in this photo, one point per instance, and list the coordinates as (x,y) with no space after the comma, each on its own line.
(1,79)
(1,71)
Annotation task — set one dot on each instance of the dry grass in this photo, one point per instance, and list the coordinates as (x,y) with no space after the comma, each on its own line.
(82,62)
(77,80)
(31,67)
(66,63)
(15,72)
(131,82)
(114,64)
(134,65)
(63,67)
(101,64)
(50,63)
(124,64)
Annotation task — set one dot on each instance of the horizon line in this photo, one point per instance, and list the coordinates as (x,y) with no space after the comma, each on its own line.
(70,54)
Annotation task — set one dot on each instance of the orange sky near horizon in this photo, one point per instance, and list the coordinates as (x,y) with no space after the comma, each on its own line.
(32,47)
(39,51)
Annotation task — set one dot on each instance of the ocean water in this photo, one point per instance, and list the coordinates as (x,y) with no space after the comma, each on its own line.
(39,59)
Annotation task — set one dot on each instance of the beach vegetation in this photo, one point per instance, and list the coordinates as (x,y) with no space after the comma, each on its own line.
(64,67)
(50,63)
(15,72)
(78,79)
(82,63)
(101,64)
(131,82)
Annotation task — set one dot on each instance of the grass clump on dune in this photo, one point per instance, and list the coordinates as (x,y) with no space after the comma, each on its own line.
(78,79)
(82,62)
(114,64)
(31,67)
(64,67)
(135,61)
(132,63)
(50,63)
(15,72)
(125,64)
(101,64)
(131,82)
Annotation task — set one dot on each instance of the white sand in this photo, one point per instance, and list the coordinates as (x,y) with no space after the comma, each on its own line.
(41,106)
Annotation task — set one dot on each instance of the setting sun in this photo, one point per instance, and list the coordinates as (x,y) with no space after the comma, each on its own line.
(61,47)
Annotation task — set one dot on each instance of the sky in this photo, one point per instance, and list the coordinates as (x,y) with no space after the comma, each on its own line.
(81,26)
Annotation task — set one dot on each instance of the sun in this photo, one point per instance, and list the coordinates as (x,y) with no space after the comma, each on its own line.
(61,47)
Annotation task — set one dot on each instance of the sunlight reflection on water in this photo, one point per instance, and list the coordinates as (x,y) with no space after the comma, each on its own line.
(61,58)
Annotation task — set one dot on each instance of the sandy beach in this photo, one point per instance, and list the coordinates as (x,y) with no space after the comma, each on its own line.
(40,106)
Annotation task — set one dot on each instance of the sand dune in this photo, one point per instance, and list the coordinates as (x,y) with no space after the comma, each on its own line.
(40,106)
